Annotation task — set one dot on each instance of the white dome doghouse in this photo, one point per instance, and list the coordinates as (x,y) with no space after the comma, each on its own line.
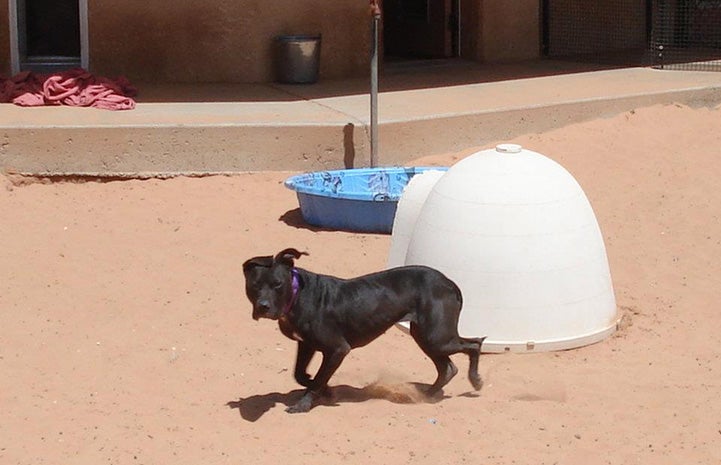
(516,232)
(409,206)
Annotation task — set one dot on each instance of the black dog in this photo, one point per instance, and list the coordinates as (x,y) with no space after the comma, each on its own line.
(332,315)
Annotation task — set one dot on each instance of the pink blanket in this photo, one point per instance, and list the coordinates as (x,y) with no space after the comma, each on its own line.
(75,87)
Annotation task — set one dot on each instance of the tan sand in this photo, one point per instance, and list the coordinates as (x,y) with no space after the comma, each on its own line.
(126,338)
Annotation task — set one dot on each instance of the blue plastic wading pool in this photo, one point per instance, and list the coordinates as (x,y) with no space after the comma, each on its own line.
(363,200)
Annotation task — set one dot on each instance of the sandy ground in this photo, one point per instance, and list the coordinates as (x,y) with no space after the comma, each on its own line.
(125,336)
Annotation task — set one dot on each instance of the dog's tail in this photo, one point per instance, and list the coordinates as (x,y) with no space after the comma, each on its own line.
(475,341)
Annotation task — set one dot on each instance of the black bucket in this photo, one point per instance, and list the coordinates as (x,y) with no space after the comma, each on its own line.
(297,58)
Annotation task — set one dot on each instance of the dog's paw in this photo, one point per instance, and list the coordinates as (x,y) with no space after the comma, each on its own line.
(304,380)
(300,407)
(296,409)
(432,396)
(303,405)
(476,382)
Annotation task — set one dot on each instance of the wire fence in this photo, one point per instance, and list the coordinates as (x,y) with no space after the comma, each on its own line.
(608,32)
(669,34)
(686,34)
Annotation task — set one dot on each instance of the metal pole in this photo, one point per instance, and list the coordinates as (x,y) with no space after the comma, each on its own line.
(374,86)
(458,30)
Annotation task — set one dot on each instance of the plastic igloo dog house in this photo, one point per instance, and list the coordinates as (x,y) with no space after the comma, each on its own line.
(516,232)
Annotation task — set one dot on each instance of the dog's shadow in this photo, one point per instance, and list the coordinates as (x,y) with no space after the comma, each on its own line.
(253,407)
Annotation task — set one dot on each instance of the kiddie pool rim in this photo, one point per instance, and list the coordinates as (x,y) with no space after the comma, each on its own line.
(293,182)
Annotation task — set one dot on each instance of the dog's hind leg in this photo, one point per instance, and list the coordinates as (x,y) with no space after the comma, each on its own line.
(446,371)
(440,352)
(472,348)
(445,367)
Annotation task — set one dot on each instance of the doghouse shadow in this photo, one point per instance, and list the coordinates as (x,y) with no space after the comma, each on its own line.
(253,407)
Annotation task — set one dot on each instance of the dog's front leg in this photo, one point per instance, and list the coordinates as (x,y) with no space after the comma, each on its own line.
(319,385)
(303,358)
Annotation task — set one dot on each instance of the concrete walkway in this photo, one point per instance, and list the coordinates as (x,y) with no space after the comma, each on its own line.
(424,108)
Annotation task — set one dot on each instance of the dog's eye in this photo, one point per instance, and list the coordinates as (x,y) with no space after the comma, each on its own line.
(277,284)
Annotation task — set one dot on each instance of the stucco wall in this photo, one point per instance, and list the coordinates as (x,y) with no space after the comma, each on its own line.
(231,40)
(221,40)
(510,30)
(471,31)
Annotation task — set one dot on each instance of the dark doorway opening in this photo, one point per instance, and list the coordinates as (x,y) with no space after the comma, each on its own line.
(420,29)
(48,34)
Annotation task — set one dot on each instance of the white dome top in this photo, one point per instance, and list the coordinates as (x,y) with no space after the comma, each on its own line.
(516,232)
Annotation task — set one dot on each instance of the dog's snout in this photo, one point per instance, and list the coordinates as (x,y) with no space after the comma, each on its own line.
(261,309)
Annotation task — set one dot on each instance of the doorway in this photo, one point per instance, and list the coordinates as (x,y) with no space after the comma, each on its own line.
(421,29)
(48,35)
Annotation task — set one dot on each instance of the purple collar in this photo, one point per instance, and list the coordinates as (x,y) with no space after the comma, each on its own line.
(295,286)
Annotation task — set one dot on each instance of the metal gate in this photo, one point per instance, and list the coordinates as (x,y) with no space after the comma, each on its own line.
(676,34)
(612,32)
(687,34)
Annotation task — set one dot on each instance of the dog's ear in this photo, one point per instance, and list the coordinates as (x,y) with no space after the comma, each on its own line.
(287,256)
(257,261)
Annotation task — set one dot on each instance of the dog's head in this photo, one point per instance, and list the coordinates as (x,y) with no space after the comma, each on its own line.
(268,283)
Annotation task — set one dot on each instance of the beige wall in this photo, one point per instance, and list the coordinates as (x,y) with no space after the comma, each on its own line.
(231,40)
(510,30)
(471,31)
(220,40)
(500,30)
